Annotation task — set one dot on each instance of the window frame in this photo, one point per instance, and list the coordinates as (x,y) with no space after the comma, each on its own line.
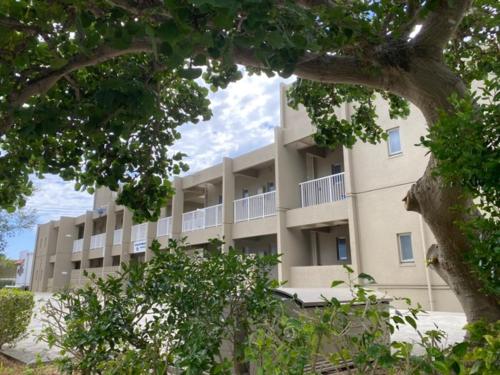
(389,131)
(401,260)
(339,259)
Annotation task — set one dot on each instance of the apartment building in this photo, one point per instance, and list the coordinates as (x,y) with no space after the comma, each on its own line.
(318,208)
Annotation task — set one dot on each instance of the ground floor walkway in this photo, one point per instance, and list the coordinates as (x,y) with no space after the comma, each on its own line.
(29,349)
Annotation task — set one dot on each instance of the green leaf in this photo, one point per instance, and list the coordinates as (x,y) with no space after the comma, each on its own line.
(190,73)
(336,283)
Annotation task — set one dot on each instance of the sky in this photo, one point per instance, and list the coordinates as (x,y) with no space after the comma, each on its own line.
(244,116)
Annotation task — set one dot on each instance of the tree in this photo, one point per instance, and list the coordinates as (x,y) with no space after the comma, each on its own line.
(12,223)
(94,91)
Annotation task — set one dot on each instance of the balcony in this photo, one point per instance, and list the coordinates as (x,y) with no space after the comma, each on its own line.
(164,227)
(97,241)
(139,232)
(139,237)
(117,236)
(255,207)
(323,190)
(202,218)
(78,245)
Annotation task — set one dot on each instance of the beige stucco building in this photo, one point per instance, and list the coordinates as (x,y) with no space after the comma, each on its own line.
(318,208)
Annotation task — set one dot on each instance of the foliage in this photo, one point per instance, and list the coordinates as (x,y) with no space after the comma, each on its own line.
(16,308)
(12,223)
(323,102)
(95,90)
(175,310)
(7,267)
(467,144)
(358,331)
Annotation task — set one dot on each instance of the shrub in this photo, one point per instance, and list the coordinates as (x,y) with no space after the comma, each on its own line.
(174,311)
(16,308)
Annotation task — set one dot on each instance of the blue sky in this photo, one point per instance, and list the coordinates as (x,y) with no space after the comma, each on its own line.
(245,115)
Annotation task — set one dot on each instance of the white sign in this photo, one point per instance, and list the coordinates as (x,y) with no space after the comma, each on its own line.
(140,246)
(24,269)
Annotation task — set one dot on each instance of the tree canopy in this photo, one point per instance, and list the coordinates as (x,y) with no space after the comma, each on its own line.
(95,90)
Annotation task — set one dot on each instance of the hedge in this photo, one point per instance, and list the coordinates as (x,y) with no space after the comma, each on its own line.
(16,308)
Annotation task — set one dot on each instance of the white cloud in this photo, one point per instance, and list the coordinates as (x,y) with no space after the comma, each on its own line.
(54,197)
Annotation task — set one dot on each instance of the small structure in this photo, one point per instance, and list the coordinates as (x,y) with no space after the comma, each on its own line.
(24,270)
(319,297)
(307,301)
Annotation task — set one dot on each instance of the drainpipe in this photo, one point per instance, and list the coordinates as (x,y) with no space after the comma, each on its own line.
(427,275)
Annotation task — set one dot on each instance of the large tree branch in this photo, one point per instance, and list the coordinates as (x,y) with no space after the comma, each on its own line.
(326,68)
(440,24)
(99,55)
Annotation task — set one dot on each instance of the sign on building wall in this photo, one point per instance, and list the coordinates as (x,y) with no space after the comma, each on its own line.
(140,246)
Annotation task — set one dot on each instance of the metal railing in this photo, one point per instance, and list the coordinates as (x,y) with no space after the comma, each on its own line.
(97,241)
(322,190)
(117,236)
(254,207)
(202,218)
(139,232)
(164,227)
(78,245)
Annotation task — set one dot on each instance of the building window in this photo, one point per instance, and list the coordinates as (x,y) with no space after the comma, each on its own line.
(405,248)
(77,265)
(336,168)
(394,142)
(137,258)
(115,260)
(96,263)
(268,187)
(341,249)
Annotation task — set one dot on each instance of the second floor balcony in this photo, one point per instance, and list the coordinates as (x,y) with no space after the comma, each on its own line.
(118,236)
(164,227)
(255,207)
(97,241)
(202,218)
(78,245)
(323,190)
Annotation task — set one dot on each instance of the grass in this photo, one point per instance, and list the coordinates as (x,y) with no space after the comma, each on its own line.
(10,367)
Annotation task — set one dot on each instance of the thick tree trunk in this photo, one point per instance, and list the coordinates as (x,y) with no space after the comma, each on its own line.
(429,84)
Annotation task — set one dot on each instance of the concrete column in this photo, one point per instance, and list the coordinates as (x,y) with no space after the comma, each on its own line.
(151,236)
(87,233)
(110,232)
(177,208)
(64,250)
(290,171)
(127,233)
(352,210)
(228,195)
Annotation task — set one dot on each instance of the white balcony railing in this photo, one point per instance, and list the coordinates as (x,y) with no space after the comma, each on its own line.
(78,245)
(202,218)
(97,241)
(323,190)
(139,232)
(254,207)
(117,236)
(164,227)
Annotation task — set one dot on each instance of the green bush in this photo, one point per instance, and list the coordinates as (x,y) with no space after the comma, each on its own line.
(181,311)
(16,308)
(217,314)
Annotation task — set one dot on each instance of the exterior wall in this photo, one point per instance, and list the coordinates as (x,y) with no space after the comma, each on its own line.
(370,216)
(254,185)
